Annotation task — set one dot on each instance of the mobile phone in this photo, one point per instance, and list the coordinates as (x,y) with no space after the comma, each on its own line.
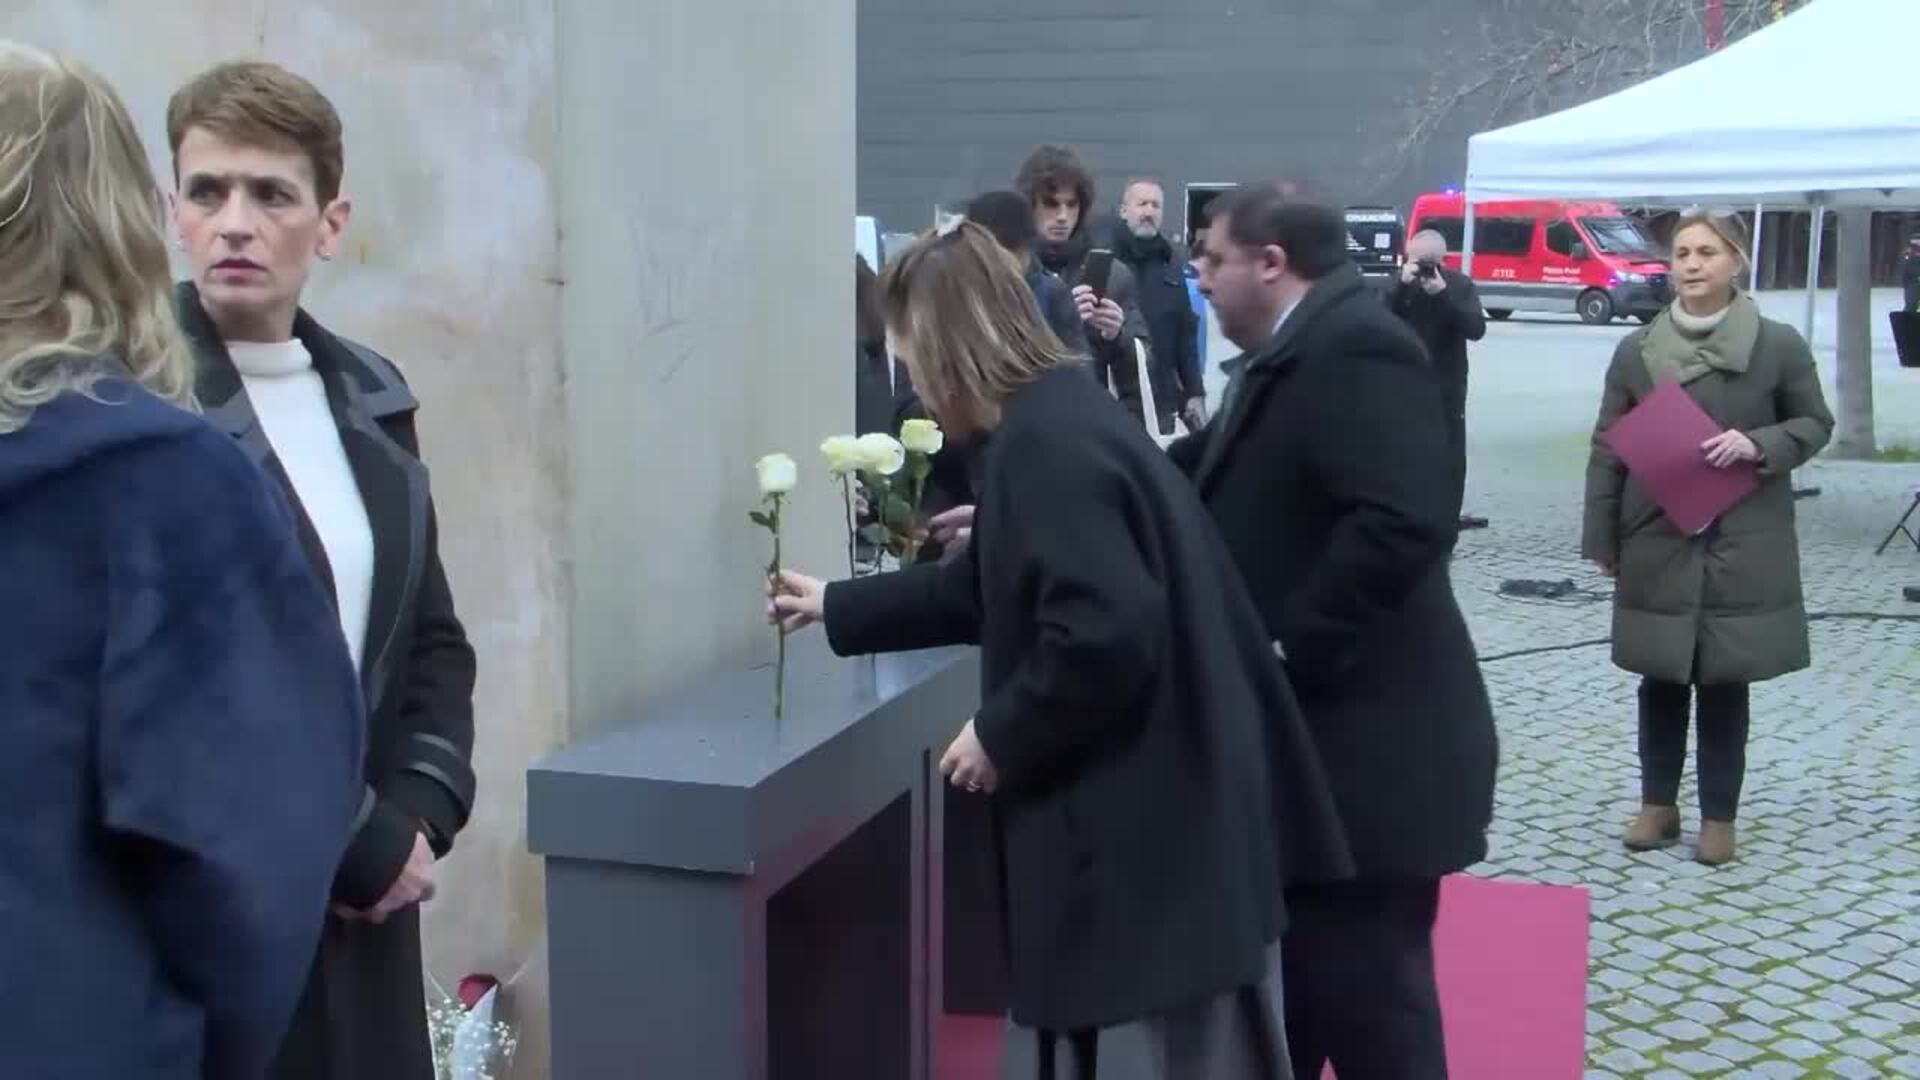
(1098,269)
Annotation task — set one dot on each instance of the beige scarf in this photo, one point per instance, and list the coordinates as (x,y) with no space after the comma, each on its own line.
(1683,347)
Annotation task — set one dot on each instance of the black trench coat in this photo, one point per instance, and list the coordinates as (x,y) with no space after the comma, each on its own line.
(1330,480)
(364,1011)
(1145,736)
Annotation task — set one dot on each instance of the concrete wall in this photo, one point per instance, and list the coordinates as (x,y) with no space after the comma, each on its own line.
(450,267)
(708,314)
(954,93)
(609,247)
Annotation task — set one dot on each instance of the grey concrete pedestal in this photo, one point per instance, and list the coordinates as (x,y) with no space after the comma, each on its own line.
(731,896)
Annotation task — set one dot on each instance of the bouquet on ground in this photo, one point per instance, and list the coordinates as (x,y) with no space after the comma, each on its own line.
(892,477)
(468,1043)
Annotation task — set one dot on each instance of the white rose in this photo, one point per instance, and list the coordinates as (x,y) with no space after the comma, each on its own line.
(842,453)
(881,454)
(922,437)
(778,474)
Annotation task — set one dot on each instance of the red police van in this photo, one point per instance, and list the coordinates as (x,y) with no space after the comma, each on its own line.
(1545,256)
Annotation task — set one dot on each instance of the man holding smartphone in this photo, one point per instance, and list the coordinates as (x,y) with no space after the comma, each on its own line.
(1060,189)
(1443,308)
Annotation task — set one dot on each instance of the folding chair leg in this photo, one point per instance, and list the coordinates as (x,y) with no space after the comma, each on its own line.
(1900,528)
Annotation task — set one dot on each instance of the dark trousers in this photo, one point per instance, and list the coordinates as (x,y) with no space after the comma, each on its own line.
(1456,406)
(1722,725)
(1457,436)
(1360,994)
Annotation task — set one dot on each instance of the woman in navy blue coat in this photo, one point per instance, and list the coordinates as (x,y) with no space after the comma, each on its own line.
(180,730)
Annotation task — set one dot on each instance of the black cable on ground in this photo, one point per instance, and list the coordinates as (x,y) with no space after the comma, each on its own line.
(1565,591)
(1863,616)
(1542,649)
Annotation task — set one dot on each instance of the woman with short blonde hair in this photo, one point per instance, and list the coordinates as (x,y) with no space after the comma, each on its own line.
(1702,617)
(179,726)
(259,160)
(1132,709)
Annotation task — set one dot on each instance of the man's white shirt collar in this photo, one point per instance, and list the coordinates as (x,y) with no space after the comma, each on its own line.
(1282,320)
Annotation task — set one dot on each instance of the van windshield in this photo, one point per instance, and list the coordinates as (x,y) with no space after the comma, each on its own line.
(1619,236)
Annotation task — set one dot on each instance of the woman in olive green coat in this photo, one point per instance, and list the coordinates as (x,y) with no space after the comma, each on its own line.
(1706,615)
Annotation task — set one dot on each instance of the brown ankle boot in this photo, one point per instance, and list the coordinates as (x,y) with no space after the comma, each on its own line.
(1657,827)
(1715,847)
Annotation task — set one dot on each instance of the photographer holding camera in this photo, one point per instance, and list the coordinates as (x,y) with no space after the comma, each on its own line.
(1443,308)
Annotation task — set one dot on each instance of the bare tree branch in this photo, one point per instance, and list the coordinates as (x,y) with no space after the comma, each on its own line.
(1535,58)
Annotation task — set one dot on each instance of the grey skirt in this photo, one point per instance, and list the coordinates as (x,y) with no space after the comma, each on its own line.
(1240,1035)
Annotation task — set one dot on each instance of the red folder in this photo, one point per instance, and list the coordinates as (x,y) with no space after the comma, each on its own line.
(1659,441)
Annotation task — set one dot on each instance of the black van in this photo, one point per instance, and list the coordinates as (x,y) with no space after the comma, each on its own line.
(1197,198)
(1376,235)
(1376,240)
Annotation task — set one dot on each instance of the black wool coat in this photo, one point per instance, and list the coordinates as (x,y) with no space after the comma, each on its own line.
(1327,472)
(1157,784)
(1444,324)
(364,1010)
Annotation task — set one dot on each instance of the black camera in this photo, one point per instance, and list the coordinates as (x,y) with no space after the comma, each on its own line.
(1428,268)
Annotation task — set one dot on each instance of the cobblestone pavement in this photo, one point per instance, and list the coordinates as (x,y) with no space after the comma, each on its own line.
(1803,957)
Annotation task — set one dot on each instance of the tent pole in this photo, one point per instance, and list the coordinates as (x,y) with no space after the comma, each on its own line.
(1813,269)
(1466,237)
(1759,232)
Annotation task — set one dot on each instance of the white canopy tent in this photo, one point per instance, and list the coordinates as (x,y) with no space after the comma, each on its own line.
(1816,110)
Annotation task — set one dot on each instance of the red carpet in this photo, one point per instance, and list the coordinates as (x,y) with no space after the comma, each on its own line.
(1512,961)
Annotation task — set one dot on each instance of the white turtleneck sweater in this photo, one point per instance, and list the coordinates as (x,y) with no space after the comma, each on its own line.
(291,402)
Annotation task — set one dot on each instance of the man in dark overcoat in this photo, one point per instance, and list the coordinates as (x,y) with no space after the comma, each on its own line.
(1327,470)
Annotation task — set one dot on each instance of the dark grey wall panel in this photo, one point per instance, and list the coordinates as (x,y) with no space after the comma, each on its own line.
(953,93)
